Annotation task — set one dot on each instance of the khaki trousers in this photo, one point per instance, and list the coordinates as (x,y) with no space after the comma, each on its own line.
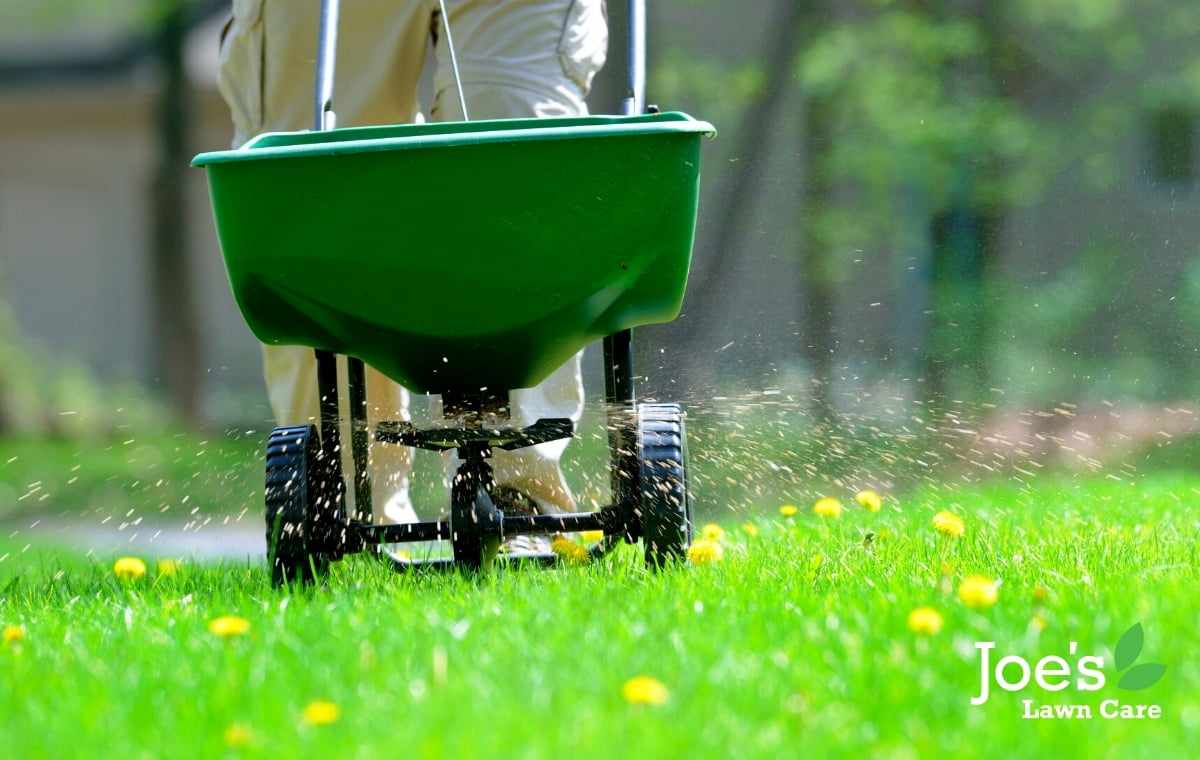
(516,58)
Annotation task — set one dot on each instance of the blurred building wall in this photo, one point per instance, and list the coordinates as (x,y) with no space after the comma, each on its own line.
(76,164)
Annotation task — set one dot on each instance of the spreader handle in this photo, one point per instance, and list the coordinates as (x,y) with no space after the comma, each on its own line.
(635,100)
(326,57)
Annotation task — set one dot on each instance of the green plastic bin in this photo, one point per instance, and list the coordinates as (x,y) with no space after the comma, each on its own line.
(460,256)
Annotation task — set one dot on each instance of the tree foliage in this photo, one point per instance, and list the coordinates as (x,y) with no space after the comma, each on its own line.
(948,127)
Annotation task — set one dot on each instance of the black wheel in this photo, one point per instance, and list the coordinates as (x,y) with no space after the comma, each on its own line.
(666,511)
(305,506)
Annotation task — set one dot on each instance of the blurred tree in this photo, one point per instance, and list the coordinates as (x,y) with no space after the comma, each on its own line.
(176,336)
(735,195)
(744,100)
(818,270)
(917,108)
(946,116)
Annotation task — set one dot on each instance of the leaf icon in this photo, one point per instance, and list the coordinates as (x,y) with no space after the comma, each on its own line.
(1142,677)
(1129,647)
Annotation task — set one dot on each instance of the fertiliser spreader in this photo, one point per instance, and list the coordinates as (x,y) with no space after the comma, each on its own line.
(321,230)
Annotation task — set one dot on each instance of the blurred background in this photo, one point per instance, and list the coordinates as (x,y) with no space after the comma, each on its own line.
(948,231)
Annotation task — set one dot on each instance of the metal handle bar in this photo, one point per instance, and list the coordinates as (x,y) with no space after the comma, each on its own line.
(635,99)
(326,56)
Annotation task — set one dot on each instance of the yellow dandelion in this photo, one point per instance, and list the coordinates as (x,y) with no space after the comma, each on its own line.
(13,633)
(1037,623)
(705,551)
(948,523)
(750,529)
(712,532)
(569,551)
(229,625)
(788,510)
(925,620)
(320,713)
(1039,594)
(869,500)
(828,507)
(978,591)
(169,566)
(238,735)
(644,690)
(592,536)
(129,568)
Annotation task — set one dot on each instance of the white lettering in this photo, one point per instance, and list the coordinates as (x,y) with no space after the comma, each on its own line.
(1023,666)
(1073,711)
(1060,669)
(1042,712)
(1090,679)
(984,671)
(1112,708)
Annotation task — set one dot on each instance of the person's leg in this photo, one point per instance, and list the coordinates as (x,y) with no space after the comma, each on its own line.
(522,58)
(268,63)
(267,75)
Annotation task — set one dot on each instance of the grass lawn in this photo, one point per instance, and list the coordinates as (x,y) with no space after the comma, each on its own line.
(801,641)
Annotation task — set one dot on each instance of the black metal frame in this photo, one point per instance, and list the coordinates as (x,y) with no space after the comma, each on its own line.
(474,482)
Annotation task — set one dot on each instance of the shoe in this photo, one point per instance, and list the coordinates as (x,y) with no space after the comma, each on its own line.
(510,501)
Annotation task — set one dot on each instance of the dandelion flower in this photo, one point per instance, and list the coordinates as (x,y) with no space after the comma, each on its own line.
(705,551)
(925,620)
(13,633)
(948,523)
(569,551)
(169,566)
(788,510)
(129,568)
(1037,623)
(869,500)
(592,536)
(750,529)
(644,690)
(320,713)
(712,532)
(978,591)
(229,625)
(237,736)
(828,507)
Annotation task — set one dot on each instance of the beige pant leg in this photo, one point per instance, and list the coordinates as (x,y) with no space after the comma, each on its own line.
(268,63)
